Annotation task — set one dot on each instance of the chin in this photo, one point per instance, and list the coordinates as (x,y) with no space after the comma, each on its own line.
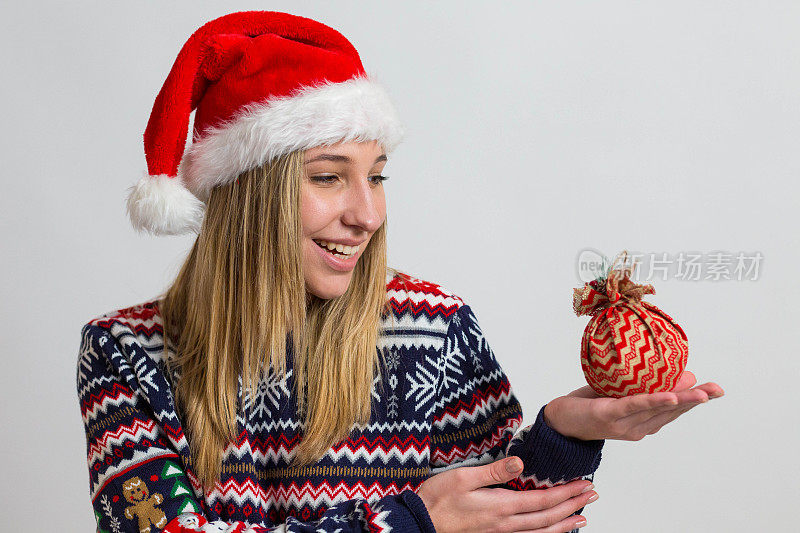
(331,287)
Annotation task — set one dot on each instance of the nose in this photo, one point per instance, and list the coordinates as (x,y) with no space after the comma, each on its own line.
(364,206)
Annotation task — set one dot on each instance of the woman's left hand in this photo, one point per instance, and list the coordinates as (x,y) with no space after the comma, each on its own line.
(584,414)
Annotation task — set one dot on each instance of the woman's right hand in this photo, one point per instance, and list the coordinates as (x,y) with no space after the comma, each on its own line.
(458,500)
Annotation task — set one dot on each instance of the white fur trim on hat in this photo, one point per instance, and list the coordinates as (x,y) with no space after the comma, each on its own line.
(354,110)
(162,205)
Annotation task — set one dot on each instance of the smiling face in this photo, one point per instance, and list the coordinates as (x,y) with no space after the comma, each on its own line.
(134,490)
(342,205)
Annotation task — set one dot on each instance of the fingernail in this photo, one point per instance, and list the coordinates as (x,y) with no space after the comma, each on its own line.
(588,487)
(512,465)
(592,498)
(581,523)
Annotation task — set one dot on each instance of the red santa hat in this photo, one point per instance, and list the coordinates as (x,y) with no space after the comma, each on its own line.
(262,84)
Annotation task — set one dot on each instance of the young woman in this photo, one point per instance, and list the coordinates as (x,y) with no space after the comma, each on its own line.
(288,379)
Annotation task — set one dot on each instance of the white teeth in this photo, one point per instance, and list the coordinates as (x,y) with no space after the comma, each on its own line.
(341,248)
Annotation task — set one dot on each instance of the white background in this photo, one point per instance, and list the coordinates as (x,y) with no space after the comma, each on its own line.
(535,129)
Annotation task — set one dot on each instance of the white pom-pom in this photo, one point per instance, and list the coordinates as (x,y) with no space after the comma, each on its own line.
(162,205)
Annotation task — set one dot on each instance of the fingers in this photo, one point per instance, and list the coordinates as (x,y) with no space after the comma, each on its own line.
(623,426)
(712,389)
(557,517)
(648,421)
(562,526)
(528,501)
(501,509)
(653,425)
(565,526)
(689,380)
(631,405)
(686,381)
(498,472)
(645,405)
(638,429)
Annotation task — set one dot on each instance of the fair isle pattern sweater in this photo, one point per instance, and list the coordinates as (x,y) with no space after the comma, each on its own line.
(441,401)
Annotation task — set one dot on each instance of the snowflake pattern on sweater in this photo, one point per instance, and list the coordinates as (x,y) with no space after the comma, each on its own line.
(441,401)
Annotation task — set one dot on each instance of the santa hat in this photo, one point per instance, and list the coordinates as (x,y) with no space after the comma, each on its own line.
(262,84)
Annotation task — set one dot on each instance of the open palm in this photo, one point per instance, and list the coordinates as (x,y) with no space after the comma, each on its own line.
(586,415)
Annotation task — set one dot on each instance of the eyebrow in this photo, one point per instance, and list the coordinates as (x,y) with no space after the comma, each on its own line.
(341,158)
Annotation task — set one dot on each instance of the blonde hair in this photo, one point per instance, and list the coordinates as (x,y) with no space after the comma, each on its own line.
(240,297)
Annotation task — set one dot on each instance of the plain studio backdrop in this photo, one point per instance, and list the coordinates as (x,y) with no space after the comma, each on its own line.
(534,130)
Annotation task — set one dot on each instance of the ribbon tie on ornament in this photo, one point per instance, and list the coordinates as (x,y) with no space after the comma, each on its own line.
(602,295)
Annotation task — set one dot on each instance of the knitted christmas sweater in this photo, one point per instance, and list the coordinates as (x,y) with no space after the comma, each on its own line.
(441,401)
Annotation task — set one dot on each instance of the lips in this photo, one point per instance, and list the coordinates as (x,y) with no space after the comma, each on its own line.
(338,262)
(345,242)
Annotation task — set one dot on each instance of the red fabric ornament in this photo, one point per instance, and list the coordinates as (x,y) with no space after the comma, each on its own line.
(629,346)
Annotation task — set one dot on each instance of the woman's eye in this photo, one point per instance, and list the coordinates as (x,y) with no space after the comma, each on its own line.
(323,179)
(331,178)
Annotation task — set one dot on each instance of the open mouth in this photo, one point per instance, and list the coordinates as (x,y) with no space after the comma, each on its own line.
(346,252)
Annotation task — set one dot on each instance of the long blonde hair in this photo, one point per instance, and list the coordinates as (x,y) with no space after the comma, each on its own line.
(240,296)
